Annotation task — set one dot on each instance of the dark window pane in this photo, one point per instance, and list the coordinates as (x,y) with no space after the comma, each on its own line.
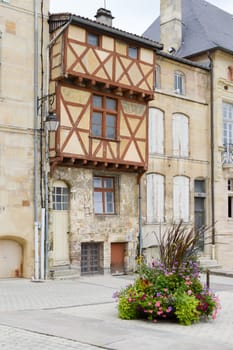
(108,183)
(133,52)
(110,126)
(93,39)
(98,182)
(111,104)
(97,124)
(97,101)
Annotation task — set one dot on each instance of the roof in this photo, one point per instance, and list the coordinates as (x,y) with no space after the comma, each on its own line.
(205,27)
(59,19)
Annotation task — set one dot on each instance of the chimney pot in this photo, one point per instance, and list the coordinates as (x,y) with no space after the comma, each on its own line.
(104,16)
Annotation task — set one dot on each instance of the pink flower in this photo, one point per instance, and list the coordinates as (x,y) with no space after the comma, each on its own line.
(157,304)
(189,292)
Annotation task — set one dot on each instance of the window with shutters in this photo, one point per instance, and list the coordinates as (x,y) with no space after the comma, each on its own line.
(181,195)
(180,135)
(156,131)
(155,198)
(157,77)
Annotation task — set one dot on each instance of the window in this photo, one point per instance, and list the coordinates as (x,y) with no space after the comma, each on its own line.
(60,198)
(133,52)
(230,197)
(104,117)
(199,210)
(180,135)
(179,83)
(155,198)
(227,124)
(157,77)
(92,39)
(181,198)
(199,186)
(104,195)
(156,131)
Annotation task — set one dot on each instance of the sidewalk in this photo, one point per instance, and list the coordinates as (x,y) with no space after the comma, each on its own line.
(82,315)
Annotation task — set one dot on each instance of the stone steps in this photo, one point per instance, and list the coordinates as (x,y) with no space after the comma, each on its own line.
(64,272)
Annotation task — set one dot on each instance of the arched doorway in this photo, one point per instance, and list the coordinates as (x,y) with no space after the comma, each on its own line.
(60,223)
(10,258)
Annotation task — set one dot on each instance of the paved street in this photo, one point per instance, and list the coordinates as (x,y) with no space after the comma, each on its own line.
(81,314)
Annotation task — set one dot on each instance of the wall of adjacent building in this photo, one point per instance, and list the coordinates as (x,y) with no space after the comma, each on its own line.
(194,104)
(16,131)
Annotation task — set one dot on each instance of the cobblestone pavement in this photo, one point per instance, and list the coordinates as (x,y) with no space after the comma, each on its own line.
(82,315)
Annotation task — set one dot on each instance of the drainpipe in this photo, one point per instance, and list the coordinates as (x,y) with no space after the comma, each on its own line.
(46,182)
(140,213)
(212,157)
(36,224)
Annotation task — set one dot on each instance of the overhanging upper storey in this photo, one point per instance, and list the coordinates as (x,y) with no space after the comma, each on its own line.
(88,51)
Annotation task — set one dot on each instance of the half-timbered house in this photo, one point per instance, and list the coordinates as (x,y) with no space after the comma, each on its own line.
(102,81)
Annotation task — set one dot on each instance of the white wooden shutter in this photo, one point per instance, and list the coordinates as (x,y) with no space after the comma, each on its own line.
(155,198)
(180,135)
(156,131)
(181,198)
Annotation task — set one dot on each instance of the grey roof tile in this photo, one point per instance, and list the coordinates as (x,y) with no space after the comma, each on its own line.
(205,27)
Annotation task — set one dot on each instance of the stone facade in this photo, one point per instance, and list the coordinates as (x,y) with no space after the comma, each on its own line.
(193,104)
(17,138)
(85,226)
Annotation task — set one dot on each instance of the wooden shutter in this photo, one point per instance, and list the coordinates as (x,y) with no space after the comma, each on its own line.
(155,198)
(180,135)
(181,198)
(156,131)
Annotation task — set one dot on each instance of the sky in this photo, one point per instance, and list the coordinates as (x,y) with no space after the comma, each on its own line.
(133,16)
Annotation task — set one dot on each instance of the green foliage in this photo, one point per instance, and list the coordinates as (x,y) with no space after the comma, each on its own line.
(126,309)
(171,288)
(186,308)
(179,244)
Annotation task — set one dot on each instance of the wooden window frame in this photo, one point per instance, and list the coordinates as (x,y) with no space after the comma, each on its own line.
(104,190)
(179,83)
(131,50)
(60,198)
(105,114)
(93,35)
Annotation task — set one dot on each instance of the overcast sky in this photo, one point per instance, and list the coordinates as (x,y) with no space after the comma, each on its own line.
(133,16)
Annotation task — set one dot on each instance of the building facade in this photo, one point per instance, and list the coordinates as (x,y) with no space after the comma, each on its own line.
(18,120)
(202,33)
(177,183)
(102,79)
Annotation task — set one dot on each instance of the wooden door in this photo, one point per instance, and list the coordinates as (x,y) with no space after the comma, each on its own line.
(60,223)
(118,257)
(10,259)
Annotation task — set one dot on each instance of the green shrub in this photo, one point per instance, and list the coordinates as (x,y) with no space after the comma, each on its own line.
(186,308)
(126,310)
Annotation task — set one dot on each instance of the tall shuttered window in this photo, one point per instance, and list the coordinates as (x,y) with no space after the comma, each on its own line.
(180,135)
(156,131)
(181,195)
(155,198)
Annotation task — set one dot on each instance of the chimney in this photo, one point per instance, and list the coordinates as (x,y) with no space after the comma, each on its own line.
(104,16)
(171,24)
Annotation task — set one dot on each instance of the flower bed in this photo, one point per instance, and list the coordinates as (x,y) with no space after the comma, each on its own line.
(171,287)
